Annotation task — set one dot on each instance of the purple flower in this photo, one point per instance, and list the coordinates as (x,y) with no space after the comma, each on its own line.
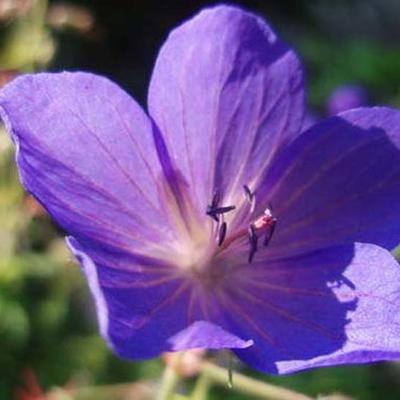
(345,98)
(213,222)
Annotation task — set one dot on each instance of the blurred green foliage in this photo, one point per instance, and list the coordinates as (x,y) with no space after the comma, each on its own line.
(26,44)
(373,65)
(46,317)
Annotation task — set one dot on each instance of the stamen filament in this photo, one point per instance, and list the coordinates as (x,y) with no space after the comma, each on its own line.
(240,234)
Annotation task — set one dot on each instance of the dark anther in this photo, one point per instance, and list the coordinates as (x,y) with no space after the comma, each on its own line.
(253,239)
(250,197)
(214,204)
(214,211)
(248,193)
(211,213)
(269,232)
(223,210)
(222,233)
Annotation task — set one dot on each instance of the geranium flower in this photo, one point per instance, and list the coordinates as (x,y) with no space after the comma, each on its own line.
(212,221)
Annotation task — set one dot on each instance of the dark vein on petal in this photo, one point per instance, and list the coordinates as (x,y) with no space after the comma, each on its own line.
(294,165)
(139,268)
(185,129)
(351,295)
(228,304)
(168,300)
(336,204)
(136,145)
(50,99)
(91,184)
(258,124)
(231,132)
(325,168)
(74,210)
(340,233)
(217,101)
(277,142)
(139,284)
(250,138)
(115,161)
(286,314)
(287,289)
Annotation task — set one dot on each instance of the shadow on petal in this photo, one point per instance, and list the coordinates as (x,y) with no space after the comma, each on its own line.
(317,309)
(288,307)
(338,183)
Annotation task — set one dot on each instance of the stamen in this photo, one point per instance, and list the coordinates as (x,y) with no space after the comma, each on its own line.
(270,232)
(253,239)
(214,211)
(248,193)
(212,206)
(264,224)
(222,233)
(215,199)
(210,212)
(250,197)
(223,210)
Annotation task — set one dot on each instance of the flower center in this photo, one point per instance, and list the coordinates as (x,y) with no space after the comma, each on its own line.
(262,225)
(208,253)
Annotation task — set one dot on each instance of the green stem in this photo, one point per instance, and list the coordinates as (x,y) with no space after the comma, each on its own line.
(169,380)
(140,390)
(201,388)
(250,386)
